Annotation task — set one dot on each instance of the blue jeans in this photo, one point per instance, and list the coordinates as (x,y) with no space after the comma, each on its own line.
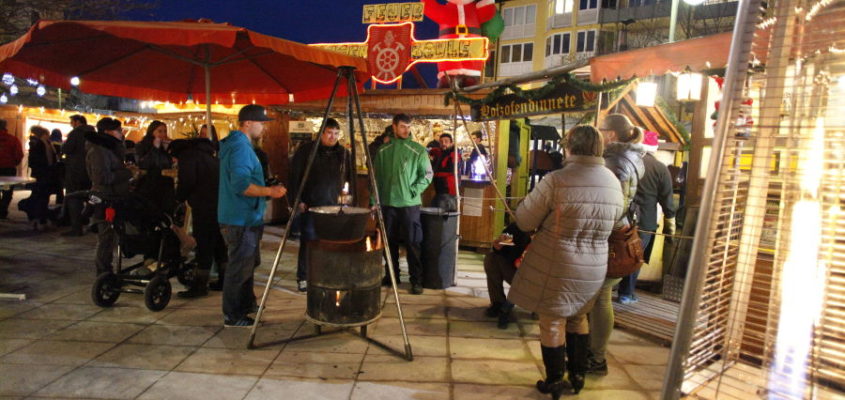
(629,283)
(244,245)
(306,234)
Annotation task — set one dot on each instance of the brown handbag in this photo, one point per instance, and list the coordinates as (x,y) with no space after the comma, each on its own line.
(625,249)
(625,252)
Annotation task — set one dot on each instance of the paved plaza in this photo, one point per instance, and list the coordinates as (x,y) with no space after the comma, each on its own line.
(58,344)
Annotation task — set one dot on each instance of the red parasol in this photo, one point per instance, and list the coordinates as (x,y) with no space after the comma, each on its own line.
(175,61)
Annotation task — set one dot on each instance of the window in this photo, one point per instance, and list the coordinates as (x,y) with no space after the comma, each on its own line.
(557,44)
(524,15)
(558,7)
(587,4)
(520,52)
(586,41)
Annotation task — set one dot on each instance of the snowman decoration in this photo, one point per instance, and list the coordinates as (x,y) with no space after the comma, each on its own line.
(459,19)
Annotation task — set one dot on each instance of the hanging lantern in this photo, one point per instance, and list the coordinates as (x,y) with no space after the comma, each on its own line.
(8,79)
(646,94)
(689,86)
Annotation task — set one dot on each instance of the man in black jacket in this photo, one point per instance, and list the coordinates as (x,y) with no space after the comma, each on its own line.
(199,172)
(76,177)
(328,174)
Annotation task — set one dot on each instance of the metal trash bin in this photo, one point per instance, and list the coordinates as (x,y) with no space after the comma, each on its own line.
(344,282)
(439,246)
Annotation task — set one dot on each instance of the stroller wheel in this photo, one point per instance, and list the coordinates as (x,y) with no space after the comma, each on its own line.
(106,289)
(186,274)
(157,293)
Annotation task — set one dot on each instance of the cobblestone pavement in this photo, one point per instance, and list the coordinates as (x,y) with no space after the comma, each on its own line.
(58,344)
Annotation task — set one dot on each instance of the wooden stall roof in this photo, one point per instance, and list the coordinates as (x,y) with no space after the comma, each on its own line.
(417,102)
(651,118)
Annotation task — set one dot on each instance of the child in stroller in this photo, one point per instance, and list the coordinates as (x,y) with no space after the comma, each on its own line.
(142,230)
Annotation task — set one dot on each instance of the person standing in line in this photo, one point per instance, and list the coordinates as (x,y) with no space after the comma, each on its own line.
(655,187)
(11,155)
(198,185)
(159,190)
(473,156)
(573,209)
(623,155)
(240,212)
(76,176)
(329,172)
(403,171)
(42,162)
(445,188)
(110,177)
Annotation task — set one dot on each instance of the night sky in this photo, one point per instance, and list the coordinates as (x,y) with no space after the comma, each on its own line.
(305,21)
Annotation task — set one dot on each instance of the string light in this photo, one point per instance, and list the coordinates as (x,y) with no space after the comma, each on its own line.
(4,99)
(8,79)
(41,90)
(74,81)
(13,90)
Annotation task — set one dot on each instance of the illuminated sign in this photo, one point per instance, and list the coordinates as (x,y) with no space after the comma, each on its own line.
(562,98)
(392,12)
(391,49)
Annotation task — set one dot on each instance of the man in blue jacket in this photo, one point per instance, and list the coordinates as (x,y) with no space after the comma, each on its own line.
(240,212)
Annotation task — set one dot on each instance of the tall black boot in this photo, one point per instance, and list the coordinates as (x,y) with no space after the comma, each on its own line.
(554,358)
(576,352)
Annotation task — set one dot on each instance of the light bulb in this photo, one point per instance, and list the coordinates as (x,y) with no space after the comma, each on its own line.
(13,90)
(4,99)
(41,91)
(74,81)
(8,78)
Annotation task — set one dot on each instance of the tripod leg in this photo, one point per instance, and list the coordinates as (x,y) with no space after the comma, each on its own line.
(251,343)
(408,353)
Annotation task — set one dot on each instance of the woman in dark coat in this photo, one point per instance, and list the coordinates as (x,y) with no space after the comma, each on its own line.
(152,156)
(42,161)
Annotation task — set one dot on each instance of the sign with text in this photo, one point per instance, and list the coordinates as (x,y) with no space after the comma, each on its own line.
(561,99)
(391,50)
(392,12)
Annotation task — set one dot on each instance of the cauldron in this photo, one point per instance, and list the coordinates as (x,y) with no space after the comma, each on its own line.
(340,223)
(344,281)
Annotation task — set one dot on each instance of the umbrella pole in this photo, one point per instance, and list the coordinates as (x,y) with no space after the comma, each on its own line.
(251,343)
(208,122)
(353,88)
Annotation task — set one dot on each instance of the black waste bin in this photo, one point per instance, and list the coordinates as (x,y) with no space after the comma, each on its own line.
(440,230)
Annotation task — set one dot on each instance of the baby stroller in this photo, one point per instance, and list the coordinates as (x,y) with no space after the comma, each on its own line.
(140,230)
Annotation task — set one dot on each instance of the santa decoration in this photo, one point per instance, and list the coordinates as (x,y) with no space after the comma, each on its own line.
(459,19)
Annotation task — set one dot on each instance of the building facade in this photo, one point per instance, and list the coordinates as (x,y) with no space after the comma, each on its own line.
(541,34)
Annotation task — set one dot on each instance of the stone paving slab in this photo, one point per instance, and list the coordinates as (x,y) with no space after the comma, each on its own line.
(57,344)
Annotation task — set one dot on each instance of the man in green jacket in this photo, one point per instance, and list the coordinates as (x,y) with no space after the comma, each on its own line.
(403,171)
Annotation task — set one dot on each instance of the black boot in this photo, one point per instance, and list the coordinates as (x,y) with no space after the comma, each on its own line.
(554,358)
(199,287)
(494,310)
(505,315)
(576,352)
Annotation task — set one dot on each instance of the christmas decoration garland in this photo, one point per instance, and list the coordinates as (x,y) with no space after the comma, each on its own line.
(534,94)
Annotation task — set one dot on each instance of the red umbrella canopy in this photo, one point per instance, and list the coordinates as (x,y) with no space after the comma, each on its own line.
(168,61)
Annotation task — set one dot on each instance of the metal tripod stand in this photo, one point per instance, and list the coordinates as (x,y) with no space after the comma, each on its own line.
(343,74)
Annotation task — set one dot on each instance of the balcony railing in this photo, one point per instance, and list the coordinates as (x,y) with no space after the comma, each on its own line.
(709,10)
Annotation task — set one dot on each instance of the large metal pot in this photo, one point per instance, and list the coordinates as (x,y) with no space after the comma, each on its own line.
(344,282)
(340,223)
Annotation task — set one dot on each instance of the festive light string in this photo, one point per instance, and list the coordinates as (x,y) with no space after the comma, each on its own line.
(535,94)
